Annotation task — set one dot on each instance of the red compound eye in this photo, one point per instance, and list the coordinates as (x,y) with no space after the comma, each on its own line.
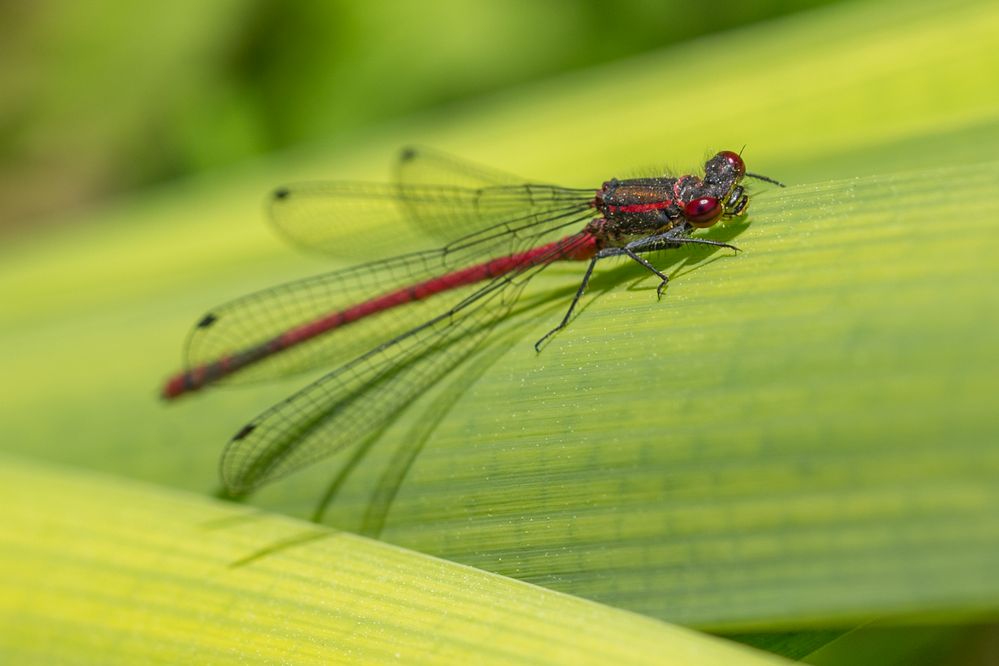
(703,212)
(736,162)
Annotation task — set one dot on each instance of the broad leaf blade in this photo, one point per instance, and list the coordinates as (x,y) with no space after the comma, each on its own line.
(97,570)
(845,360)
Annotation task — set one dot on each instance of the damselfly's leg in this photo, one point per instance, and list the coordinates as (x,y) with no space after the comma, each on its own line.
(631,250)
(572,306)
(663,278)
(659,242)
(606,252)
(662,241)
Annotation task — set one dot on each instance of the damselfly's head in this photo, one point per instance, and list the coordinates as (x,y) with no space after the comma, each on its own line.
(719,194)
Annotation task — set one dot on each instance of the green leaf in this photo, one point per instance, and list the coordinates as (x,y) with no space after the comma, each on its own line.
(813,416)
(98,570)
(801,435)
(905,646)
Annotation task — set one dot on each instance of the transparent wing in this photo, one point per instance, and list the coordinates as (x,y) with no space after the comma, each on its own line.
(419,166)
(536,215)
(435,199)
(349,403)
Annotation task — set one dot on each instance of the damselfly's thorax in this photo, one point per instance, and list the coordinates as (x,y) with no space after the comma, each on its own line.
(641,205)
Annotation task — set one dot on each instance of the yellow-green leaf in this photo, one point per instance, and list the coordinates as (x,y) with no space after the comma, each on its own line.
(802,434)
(94,569)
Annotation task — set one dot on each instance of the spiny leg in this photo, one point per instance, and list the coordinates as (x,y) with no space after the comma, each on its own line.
(572,306)
(653,243)
(662,241)
(606,252)
(664,279)
(648,244)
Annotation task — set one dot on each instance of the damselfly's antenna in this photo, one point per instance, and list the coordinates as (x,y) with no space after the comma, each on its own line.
(765,179)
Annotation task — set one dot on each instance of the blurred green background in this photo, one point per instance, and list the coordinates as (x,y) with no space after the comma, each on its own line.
(105,97)
(817,446)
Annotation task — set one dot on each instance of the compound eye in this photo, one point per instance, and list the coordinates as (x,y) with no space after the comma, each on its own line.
(703,212)
(735,162)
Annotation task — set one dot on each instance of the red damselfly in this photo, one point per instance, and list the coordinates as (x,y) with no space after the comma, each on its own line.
(405,321)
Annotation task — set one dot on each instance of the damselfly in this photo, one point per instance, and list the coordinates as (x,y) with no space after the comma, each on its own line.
(405,321)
